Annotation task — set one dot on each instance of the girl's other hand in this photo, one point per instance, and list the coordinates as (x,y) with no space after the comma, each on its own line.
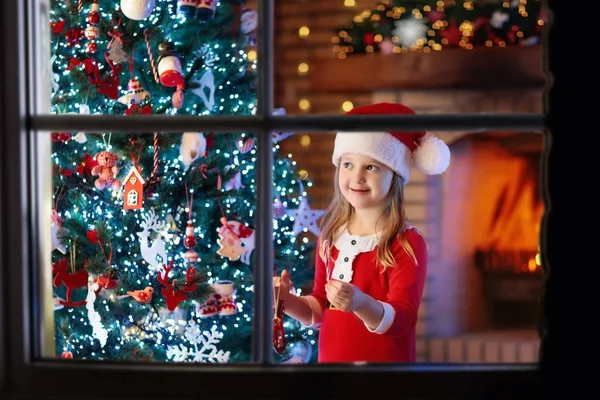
(343,295)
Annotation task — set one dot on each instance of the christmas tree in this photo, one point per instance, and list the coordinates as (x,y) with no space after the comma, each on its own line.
(152,233)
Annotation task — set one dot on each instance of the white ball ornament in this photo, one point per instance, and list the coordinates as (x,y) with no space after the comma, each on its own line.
(137,9)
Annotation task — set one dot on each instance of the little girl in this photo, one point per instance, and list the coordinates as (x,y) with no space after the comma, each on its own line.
(371,262)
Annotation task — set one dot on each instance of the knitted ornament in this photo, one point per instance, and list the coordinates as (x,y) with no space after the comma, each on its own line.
(397,150)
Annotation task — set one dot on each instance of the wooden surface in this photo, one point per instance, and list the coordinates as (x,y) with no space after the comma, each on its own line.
(487,67)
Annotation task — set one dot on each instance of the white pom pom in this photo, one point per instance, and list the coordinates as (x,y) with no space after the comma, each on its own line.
(432,156)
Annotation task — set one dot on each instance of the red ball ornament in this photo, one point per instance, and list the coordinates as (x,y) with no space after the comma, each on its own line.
(94,16)
(91,47)
(190,240)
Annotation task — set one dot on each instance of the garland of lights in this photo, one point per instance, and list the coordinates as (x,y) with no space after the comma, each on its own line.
(401,26)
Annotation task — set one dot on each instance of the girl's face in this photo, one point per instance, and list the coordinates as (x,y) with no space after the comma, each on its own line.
(364,182)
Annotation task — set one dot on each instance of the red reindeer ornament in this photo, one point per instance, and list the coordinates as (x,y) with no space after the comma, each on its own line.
(173,294)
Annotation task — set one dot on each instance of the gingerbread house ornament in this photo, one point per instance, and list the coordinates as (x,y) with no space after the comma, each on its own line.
(133,194)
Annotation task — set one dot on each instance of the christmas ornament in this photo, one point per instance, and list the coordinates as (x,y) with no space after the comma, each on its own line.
(92,32)
(71,279)
(98,331)
(193,146)
(80,137)
(55,228)
(107,282)
(245,145)
(235,240)
(106,170)
(225,295)
(209,308)
(190,240)
(154,254)
(279,341)
(94,16)
(187,8)
(91,47)
(173,294)
(235,183)
(135,93)
(190,257)
(305,218)
(249,25)
(143,296)
(203,346)
(133,192)
(169,65)
(205,10)
(278,208)
(137,9)
(115,51)
(206,81)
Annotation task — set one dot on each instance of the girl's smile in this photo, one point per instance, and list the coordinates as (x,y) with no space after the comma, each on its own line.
(364,182)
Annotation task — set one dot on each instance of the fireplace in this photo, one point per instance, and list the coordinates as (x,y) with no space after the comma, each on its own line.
(507,256)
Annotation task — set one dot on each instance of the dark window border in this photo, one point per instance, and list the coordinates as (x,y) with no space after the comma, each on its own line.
(21,378)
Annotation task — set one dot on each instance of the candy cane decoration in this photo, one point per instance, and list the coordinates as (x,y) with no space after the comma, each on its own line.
(80,6)
(155,170)
(152,62)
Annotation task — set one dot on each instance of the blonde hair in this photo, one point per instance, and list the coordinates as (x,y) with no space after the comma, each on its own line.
(340,211)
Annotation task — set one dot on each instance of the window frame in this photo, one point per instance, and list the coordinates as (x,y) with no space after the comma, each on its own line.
(21,376)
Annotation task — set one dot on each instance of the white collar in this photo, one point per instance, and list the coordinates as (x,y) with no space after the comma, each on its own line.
(360,244)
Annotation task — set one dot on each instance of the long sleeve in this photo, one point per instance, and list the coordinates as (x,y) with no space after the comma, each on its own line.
(318,298)
(406,281)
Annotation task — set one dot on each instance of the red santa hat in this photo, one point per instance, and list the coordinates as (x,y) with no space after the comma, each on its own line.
(397,150)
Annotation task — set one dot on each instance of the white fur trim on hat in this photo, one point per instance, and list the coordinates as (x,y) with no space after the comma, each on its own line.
(432,156)
(380,146)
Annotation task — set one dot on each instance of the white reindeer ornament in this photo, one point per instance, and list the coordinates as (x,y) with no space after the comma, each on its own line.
(206,81)
(154,254)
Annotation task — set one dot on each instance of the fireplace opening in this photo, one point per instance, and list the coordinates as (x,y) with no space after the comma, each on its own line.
(507,258)
(492,210)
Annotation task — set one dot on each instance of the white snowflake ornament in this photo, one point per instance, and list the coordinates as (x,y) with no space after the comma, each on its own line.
(203,346)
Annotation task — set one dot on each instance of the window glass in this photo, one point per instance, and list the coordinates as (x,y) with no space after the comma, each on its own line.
(444,57)
(480,219)
(127,57)
(152,241)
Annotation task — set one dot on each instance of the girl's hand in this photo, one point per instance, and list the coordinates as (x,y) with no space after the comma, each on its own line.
(344,296)
(284,283)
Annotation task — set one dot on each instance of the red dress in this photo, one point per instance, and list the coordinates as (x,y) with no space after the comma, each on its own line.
(343,337)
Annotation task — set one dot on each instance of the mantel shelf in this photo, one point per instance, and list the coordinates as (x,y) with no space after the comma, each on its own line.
(480,68)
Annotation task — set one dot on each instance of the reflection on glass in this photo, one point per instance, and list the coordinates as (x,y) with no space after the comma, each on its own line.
(153,57)
(481,220)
